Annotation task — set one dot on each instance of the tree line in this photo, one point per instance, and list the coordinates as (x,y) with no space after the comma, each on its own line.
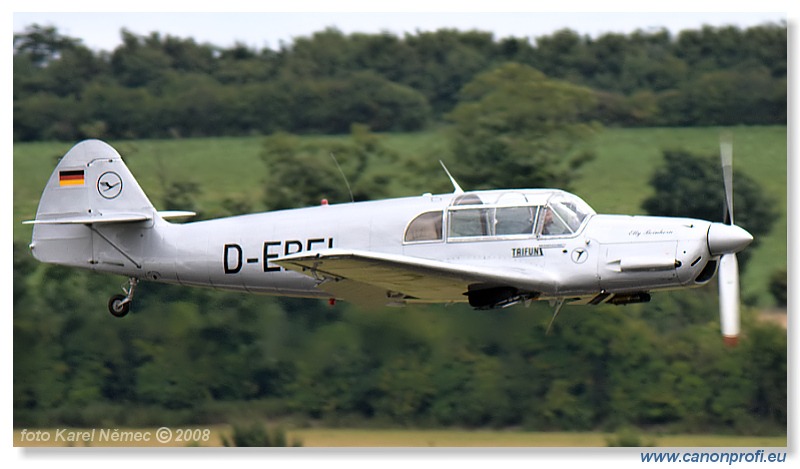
(158,86)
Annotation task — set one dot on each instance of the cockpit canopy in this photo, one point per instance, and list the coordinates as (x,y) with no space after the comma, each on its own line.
(502,214)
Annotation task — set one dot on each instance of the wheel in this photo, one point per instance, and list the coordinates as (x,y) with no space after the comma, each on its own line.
(118,307)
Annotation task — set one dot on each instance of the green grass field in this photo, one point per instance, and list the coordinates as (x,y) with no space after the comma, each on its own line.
(432,438)
(616,182)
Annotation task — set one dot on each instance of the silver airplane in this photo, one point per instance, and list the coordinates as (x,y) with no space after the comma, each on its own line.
(491,249)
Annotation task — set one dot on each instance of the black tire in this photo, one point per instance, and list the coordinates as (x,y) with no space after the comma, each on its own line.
(116,306)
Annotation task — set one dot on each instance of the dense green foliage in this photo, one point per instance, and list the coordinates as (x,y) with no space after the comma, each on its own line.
(514,127)
(162,86)
(257,434)
(300,172)
(778,286)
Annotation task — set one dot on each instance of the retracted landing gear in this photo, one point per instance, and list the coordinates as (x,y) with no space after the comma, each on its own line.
(120,305)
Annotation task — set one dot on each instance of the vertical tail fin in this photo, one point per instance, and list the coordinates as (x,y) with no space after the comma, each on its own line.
(91,185)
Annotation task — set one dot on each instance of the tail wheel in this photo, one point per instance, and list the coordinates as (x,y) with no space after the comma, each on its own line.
(118,306)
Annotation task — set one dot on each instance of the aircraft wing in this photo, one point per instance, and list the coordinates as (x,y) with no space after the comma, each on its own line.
(349,274)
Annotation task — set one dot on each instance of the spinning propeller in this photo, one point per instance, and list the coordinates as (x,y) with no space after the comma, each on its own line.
(726,239)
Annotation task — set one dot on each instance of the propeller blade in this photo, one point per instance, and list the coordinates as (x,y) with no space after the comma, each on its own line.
(726,154)
(729,298)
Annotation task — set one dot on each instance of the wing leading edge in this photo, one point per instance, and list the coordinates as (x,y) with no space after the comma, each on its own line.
(361,276)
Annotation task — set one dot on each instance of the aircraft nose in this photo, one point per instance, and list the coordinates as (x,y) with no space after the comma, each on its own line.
(727,239)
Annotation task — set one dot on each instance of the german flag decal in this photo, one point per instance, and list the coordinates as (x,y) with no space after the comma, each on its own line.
(70,178)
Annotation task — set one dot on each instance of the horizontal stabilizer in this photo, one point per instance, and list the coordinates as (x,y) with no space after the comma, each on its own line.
(108,218)
(89,220)
(169,214)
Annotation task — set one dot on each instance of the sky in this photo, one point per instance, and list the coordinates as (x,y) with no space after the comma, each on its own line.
(269,29)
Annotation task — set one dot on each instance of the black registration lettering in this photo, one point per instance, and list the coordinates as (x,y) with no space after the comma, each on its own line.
(292,247)
(311,242)
(270,255)
(232,259)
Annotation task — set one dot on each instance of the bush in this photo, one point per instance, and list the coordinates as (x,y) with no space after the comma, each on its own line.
(628,437)
(777,287)
(258,435)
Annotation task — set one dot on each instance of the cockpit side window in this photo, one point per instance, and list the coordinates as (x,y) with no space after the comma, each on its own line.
(483,222)
(470,223)
(514,220)
(425,227)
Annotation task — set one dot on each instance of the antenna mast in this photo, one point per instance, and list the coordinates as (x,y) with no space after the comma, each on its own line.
(343,177)
(456,187)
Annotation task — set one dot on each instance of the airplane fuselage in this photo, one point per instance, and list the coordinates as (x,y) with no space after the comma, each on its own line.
(606,255)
